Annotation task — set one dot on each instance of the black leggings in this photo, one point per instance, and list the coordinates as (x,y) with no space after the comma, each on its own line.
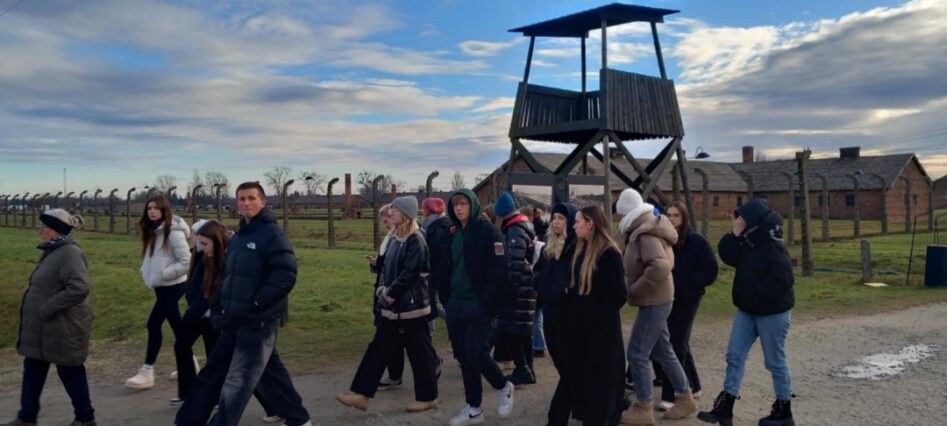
(165,308)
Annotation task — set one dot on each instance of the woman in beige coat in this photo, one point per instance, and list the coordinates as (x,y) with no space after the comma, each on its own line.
(648,260)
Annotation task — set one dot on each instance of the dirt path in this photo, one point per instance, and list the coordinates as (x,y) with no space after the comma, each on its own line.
(818,350)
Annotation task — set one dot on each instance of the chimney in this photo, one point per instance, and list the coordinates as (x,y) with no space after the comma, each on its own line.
(851,153)
(394,191)
(748,154)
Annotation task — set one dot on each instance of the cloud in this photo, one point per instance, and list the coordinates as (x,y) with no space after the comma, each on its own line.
(487,48)
(495,104)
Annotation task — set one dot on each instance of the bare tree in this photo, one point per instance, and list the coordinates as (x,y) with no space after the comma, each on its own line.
(365,179)
(457,182)
(214,177)
(314,185)
(761,156)
(278,176)
(195,182)
(164,183)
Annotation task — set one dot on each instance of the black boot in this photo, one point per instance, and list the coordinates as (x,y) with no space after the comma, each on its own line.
(780,416)
(722,413)
(522,376)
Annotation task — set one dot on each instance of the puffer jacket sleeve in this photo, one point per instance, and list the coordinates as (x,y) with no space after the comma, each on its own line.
(280,264)
(518,255)
(74,274)
(413,259)
(657,267)
(707,270)
(181,253)
(730,250)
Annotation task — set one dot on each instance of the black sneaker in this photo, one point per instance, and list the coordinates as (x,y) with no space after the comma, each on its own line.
(522,376)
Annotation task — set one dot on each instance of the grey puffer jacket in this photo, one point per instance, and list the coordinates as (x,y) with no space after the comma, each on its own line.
(55,315)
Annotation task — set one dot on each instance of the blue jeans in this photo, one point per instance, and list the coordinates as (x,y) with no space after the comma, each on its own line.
(539,337)
(772,331)
(650,340)
(471,335)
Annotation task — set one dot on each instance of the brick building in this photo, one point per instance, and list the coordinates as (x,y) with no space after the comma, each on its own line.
(940,192)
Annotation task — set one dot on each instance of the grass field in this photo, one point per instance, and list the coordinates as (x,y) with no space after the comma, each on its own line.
(330,309)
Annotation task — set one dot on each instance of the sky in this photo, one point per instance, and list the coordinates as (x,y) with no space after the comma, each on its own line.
(118,92)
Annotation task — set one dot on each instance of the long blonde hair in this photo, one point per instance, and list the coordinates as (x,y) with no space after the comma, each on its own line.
(406,228)
(592,248)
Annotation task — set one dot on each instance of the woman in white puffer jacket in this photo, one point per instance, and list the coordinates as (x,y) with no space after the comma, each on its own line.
(166,258)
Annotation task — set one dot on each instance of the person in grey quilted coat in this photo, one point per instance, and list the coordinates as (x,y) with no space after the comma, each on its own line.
(56,321)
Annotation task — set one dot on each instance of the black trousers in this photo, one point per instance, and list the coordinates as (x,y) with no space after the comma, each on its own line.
(73,379)
(187,335)
(391,336)
(518,348)
(680,324)
(165,308)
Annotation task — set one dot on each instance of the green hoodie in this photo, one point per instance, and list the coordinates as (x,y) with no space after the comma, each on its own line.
(461,286)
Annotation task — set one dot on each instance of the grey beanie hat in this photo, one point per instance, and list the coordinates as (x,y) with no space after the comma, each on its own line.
(61,221)
(407,205)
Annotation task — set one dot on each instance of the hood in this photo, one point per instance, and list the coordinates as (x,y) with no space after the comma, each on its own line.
(769,228)
(177,224)
(568,210)
(474,206)
(658,226)
(428,220)
(753,212)
(522,221)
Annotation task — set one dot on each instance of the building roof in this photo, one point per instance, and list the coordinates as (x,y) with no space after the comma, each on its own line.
(579,24)
(768,176)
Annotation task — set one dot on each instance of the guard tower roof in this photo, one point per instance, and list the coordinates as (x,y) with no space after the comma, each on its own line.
(579,24)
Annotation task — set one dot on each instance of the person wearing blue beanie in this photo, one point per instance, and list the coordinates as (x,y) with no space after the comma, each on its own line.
(505,205)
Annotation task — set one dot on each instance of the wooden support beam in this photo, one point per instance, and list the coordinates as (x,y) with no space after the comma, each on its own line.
(577,154)
(658,165)
(531,161)
(657,50)
(606,161)
(682,168)
(625,178)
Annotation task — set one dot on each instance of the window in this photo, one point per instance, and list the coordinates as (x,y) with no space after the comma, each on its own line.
(716,201)
(797,201)
(821,201)
(915,199)
(739,200)
(849,200)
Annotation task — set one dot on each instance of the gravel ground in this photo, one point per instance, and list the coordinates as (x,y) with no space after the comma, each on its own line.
(819,349)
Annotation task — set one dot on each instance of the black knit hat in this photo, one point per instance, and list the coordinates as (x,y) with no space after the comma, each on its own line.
(60,221)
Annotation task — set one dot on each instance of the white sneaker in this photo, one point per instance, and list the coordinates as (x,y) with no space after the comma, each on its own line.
(468,416)
(272,419)
(696,394)
(505,400)
(664,405)
(145,379)
(173,376)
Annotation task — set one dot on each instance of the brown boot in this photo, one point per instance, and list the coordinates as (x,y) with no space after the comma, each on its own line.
(641,414)
(684,406)
(418,406)
(354,400)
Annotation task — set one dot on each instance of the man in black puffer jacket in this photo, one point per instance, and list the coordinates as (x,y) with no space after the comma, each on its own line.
(250,307)
(518,298)
(763,295)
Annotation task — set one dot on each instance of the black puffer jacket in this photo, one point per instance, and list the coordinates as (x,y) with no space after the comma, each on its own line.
(695,267)
(404,287)
(763,284)
(518,298)
(197,304)
(552,277)
(438,237)
(260,273)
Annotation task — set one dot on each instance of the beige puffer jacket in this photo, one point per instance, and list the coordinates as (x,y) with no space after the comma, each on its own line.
(649,259)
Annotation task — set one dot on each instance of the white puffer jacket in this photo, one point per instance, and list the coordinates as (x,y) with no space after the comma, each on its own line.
(169,262)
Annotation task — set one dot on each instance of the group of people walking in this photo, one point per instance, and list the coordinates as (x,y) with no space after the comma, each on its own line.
(497,283)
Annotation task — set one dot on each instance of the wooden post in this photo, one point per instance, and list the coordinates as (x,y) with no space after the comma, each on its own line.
(884,203)
(705,205)
(866,261)
(331,217)
(856,219)
(112,211)
(286,206)
(194,203)
(676,184)
(808,269)
(825,206)
(95,209)
(25,208)
(376,238)
(688,199)
(217,188)
(607,163)
(930,203)
(604,47)
(128,211)
(657,50)
(584,110)
(791,237)
(428,186)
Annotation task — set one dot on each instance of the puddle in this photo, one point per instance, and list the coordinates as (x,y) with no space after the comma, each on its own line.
(886,365)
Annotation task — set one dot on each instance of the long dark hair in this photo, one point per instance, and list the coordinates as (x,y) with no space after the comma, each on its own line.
(216,232)
(684,229)
(148,227)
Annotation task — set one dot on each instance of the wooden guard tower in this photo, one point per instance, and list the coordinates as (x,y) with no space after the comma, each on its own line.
(626,107)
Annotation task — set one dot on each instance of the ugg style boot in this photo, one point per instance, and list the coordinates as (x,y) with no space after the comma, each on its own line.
(354,400)
(145,379)
(641,414)
(419,406)
(684,406)
(780,416)
(722,413)
(522,376)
